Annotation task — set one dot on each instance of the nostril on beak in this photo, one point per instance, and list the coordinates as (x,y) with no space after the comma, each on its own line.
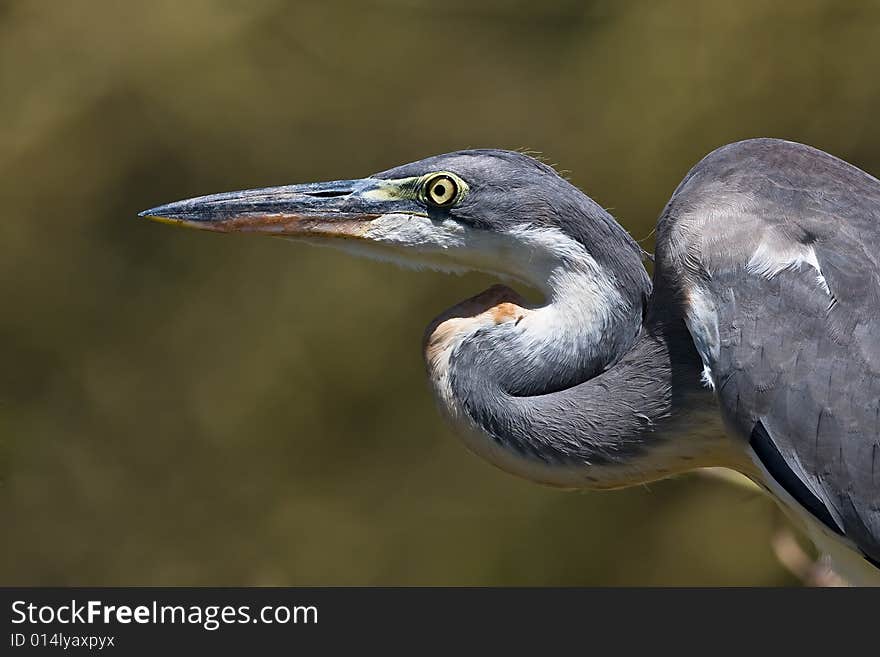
(329,193)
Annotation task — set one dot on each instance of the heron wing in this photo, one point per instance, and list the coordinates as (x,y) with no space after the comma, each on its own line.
(773,251)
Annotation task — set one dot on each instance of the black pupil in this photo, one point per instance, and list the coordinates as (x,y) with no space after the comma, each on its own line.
(439,190)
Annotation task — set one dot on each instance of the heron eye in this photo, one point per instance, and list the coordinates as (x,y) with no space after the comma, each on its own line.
(441,190)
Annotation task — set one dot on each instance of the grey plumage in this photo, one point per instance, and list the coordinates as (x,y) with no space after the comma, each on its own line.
(767,278)
(545,406)
(795,362)
(577,425)
(511,189)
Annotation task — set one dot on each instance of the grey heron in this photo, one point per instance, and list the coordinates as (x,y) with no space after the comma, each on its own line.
(755,347)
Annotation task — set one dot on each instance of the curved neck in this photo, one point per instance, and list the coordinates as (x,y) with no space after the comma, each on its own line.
(585,391)
(587,323)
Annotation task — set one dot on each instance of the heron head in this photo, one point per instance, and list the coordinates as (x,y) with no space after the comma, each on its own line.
(497,211)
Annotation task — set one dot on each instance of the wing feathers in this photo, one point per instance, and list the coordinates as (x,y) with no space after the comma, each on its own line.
(782,243)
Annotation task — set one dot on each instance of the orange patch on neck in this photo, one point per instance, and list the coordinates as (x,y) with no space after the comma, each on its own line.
(496,305)
(506,311)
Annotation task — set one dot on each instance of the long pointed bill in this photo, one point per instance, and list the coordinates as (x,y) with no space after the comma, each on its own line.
(341,208)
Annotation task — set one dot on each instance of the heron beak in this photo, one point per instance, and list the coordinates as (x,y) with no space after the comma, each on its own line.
(341,208)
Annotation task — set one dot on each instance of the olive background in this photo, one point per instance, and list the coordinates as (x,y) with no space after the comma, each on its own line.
(184,408)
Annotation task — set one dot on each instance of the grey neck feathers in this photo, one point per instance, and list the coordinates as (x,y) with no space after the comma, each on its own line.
(594,380)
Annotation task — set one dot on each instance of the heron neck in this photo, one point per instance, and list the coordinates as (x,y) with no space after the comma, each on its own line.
(586,391)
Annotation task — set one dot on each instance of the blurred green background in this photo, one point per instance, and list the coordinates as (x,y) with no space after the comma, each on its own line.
(187,408)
